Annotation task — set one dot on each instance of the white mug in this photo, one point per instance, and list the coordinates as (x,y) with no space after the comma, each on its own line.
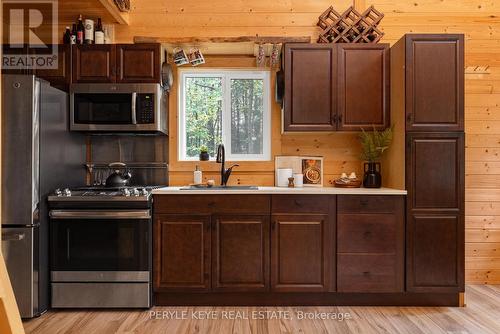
(299,180)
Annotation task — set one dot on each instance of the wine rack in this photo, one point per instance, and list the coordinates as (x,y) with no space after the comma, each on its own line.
(350,26)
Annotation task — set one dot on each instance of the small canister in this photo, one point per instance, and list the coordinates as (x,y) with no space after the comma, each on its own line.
(299,180)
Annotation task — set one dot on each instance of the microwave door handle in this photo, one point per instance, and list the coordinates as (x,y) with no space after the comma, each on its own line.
(134,108)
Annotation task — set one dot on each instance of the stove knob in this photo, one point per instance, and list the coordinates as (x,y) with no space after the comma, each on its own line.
(144,192)
(135,192)
(58,192)
(125,192)
(67,192)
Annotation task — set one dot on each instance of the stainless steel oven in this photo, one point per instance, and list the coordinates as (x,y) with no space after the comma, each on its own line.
(101,258)
(114,108)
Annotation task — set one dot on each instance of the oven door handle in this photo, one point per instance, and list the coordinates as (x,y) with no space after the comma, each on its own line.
(134,108)
(92,214)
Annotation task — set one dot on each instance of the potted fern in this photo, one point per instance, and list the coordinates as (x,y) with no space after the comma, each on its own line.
(373,146)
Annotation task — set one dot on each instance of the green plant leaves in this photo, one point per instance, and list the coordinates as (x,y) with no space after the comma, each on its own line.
(375,143)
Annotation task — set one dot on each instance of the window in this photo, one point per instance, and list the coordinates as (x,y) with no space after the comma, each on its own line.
(225,106)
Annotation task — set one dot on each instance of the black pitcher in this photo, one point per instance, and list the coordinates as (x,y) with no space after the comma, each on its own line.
(372,177)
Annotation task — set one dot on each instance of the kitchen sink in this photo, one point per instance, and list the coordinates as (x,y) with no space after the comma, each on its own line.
(220,188)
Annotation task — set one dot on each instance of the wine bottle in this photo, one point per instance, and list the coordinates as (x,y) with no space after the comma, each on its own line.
(73,34)
(89,31)
(67,36)
(79,30)
(99,33)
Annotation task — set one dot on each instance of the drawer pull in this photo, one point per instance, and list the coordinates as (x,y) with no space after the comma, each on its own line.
(211,204)
(363,202)
(297,203)
(367,234)
(366,273)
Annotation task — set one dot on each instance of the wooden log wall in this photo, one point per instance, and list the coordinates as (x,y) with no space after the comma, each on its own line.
(478,19)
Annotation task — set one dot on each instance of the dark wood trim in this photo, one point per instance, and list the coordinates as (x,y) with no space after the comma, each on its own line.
(309,299)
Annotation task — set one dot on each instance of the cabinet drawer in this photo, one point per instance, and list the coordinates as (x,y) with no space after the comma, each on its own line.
(206,204)
(368,204)
(367,233)
(309,204)
(369,273)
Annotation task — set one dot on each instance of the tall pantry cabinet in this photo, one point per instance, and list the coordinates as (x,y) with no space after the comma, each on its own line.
(431,69)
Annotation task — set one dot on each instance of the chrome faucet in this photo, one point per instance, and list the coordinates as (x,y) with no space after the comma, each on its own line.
(224,173)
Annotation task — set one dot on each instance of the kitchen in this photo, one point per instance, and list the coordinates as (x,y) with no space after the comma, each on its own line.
(140,218)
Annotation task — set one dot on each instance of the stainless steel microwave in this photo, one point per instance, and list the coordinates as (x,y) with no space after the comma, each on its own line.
(115,108)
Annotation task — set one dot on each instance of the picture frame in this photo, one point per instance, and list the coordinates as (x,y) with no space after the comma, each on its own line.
(310,166)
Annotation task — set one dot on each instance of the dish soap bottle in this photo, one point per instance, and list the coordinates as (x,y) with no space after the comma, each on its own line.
(197,175)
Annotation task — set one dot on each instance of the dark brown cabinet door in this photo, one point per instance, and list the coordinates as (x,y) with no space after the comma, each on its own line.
(61,76)
(435,171)
(182,253)
(435,253)
(240,253)
(138,63)
(94,63)
(435,204)
(363,86)
(434,82)
(300,253)
(309,103)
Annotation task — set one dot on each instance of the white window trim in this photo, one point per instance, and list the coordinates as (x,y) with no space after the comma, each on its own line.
(227,75)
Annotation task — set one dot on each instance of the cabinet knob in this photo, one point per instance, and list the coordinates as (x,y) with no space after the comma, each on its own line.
(409,117)
(297,203)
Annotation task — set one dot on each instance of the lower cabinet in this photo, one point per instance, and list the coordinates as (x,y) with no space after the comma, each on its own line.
(240,253)
(182,253)
(370,244)
(300,248)
(435,252)
(301,243)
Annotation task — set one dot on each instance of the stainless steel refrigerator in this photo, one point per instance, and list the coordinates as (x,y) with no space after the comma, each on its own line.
(39,154)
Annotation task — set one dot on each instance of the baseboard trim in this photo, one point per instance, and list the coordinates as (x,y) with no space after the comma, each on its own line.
(307,299)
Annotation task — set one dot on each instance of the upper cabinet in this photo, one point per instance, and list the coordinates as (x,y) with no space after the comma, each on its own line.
(309,103)
(363,86)
(434,82)
(61,76)
(138,63)
(122,63)
(336,87)
(94,63)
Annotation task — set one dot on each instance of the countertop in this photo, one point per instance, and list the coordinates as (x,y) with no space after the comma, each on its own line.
(282,190)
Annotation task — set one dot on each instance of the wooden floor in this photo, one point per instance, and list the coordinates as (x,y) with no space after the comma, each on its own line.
(481,315)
